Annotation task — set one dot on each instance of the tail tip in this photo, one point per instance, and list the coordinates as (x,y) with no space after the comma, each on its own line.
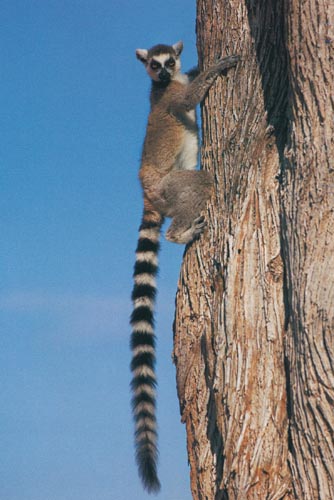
(152,486)
(149,477)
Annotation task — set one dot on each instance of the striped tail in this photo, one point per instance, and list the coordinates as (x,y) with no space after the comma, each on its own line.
(143,348)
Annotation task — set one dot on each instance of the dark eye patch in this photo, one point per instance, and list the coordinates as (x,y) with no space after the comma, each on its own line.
(155,64)
(171,62)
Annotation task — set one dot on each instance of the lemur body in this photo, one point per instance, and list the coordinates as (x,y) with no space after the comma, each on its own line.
(171,188)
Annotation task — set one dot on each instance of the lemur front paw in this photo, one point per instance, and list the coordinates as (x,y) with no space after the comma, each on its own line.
(228,62)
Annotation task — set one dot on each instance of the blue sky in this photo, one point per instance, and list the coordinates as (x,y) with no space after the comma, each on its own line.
(74,104)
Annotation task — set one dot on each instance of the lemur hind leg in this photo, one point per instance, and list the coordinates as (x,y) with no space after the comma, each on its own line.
(185,194)
(178,232)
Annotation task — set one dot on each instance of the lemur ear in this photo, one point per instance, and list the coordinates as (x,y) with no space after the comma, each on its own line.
(142,55)
(178,47)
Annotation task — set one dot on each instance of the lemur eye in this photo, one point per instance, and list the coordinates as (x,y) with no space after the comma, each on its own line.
(170,63)
(155,65)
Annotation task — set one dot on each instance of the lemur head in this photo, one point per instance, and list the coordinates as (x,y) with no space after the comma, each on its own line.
(162,62)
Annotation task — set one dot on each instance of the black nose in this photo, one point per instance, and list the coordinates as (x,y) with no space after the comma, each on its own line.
(164,76)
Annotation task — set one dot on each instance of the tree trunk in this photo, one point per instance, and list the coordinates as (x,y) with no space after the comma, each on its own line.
(308,247)
(254,313)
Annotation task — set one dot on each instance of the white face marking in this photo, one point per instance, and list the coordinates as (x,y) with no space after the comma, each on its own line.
(162,59)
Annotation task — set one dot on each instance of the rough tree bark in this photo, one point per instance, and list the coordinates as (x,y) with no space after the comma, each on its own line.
(254,319)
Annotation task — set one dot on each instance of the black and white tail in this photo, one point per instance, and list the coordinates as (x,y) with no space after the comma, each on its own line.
(143,348)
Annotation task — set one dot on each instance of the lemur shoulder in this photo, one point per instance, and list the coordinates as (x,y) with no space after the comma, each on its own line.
(172,187)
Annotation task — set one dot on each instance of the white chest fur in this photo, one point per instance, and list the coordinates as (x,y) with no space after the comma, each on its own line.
(188,155)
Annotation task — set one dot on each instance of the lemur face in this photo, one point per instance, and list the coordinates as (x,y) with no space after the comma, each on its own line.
(162,62)
(162,67)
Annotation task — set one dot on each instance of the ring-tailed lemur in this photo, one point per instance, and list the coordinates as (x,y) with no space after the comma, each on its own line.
(171,188)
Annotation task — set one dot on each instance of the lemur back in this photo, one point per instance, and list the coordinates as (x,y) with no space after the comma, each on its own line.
(171,188)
